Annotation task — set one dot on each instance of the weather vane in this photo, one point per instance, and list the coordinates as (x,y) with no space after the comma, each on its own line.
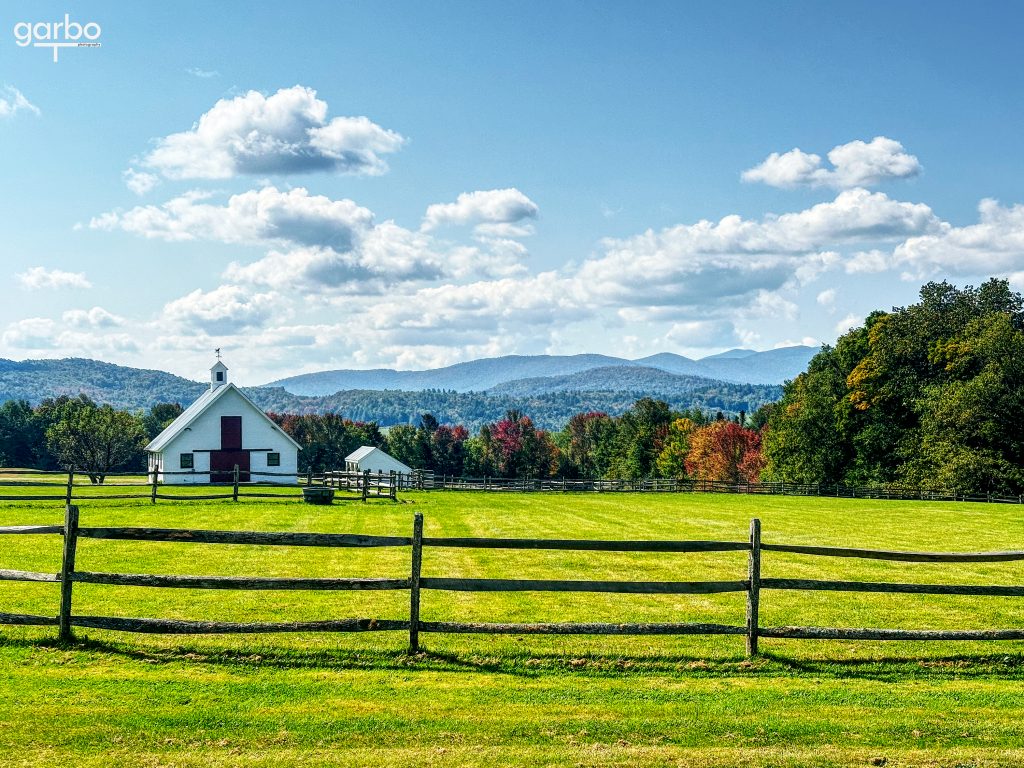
(217,352)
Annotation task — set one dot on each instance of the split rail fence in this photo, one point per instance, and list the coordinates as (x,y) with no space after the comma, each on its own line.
(128,485)
(754,585)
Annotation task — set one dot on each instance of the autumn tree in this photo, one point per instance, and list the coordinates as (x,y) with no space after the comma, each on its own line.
(723,450)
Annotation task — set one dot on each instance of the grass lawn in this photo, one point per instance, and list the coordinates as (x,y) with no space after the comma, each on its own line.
(119,699)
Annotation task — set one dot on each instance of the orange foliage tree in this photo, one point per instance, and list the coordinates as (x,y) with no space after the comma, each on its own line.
(723,450)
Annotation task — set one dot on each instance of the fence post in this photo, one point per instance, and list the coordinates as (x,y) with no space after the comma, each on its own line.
(414,583)
(394,486)
(309,476)
(67,569)
(234,492)
(71,482)
(754,590)
(366,484)
(152,492)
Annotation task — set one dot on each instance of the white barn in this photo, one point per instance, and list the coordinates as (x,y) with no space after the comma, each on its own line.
(219,430)
(375,460)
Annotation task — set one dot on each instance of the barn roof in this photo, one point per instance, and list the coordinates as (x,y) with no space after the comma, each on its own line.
(198,408)
(367,450)
(360,453)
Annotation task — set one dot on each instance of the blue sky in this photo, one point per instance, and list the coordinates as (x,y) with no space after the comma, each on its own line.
(407,185)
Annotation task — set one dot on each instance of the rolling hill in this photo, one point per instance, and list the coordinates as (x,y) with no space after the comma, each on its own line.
(563,386)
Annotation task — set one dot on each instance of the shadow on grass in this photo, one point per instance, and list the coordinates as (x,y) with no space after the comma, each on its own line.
(1004,666)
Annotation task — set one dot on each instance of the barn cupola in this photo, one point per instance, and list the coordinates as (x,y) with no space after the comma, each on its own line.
(218,375)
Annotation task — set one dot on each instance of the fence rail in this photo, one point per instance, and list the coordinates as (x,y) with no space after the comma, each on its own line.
(416,583)
(361,485)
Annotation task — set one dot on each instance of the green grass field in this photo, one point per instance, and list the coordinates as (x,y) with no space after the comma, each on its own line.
(359,699)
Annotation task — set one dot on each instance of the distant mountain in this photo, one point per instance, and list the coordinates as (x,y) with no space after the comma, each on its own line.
(612,378)
(550,400)
(737,365)
(731,354)
(473,376)
(772,367)
(129,388)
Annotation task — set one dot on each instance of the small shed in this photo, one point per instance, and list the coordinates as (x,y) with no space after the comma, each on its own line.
(375,460)
(221,430)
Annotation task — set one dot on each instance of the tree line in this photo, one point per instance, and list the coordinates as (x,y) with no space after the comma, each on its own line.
(928,396)
(650,438)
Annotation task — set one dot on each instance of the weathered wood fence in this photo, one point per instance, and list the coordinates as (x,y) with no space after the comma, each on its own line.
(129,485)
(416,584)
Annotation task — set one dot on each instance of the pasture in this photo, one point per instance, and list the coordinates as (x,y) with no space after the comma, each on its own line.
(360,699)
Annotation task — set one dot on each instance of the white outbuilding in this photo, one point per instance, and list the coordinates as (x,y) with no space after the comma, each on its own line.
(375,460)
(219,430)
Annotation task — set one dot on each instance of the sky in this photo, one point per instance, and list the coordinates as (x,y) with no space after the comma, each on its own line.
(310,186)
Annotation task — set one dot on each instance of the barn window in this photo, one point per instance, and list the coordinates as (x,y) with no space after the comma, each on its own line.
(186,461)
(273,459)
(220,375)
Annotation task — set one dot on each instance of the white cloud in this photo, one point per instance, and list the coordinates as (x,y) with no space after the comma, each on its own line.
(30,333)
(287,132)
(203,74)
(315,243)
(41,278)
(97,317)
(255,217)
(993,246)
(13,101)
(227,309)
(731,260)
(491,209)
(702,333)
(868,262)
(855,164)
(848,322)
(140,182)
(827,298)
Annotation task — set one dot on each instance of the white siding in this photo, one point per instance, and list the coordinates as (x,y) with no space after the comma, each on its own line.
(203,436)
(377,461)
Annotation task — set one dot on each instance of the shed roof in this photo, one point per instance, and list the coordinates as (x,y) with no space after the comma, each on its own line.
(198,408)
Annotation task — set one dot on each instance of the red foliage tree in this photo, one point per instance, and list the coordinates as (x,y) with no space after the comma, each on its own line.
(723,450)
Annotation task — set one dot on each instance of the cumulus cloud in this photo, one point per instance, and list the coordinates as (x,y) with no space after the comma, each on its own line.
(13,101)
(287,132)
(848,322)
(494,211)
(733,259)
(140,182)
(97,317)
(856,164)
(30,333)
(254,217)
(995,245)
(41,278)
(827,298)
(702,333)
(315,243)
(227,309)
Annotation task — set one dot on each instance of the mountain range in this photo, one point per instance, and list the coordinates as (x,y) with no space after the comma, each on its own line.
(738,366)
(548,388)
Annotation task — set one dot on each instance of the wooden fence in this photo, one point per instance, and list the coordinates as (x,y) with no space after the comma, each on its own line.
(416,583)
(672,485)
(129,485)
